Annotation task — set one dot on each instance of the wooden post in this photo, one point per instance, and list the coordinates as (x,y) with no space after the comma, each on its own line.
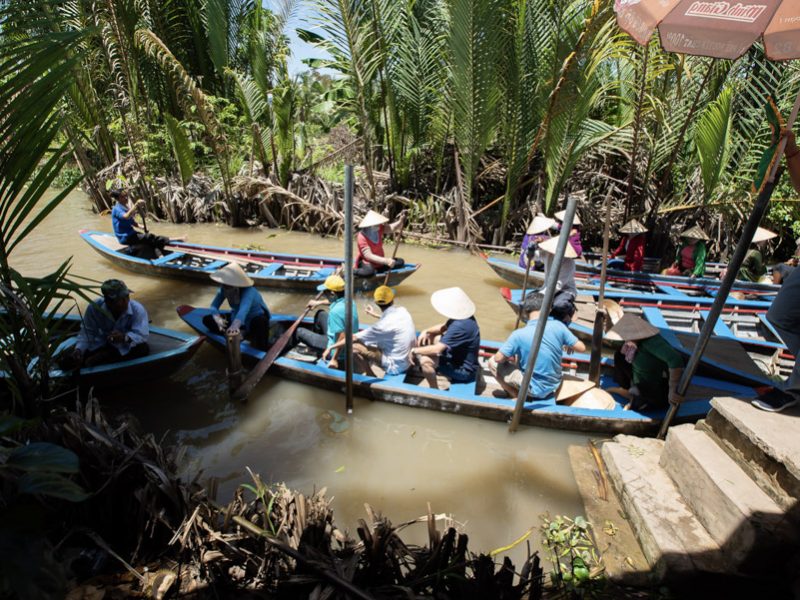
(234,352)
(600,313)
(348,288)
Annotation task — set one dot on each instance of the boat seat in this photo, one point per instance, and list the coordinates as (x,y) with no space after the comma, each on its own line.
(269,270)
(671,291)
(763,318)
(325,272)
(167,258)
(654,317)
(720,327)
(213,266)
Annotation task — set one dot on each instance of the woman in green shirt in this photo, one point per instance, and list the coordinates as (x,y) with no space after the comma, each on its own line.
(646,364)
(753,267)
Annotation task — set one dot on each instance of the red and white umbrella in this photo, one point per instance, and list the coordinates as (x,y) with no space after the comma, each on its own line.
(719,29)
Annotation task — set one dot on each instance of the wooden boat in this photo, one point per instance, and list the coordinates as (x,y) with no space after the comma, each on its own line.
(169,351)
(759,358)
(587,277)
(480,399)
(267,269)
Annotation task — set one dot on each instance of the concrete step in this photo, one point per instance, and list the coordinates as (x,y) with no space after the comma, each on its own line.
(765,444)
(742,519)
(674,542)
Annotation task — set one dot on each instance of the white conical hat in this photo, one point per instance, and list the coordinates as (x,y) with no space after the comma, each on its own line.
(576,220)
(762,235)
(594,398)
(233,275)
(631,328)
(633,227)
(372,218)
(540,224)
(549,246)
(696,233)
(570,388)
(453,303)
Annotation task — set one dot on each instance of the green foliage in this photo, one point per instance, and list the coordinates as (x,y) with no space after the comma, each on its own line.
(577,568)
(184,155)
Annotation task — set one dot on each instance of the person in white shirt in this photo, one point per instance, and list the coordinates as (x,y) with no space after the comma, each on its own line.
(388,343)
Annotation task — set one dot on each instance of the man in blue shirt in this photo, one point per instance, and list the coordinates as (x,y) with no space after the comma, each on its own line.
(114,328)
(249,312)
(328,326)
(451,348)
(509,362)
(141,245)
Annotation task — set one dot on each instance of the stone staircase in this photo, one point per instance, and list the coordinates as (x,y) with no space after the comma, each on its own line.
(718,498)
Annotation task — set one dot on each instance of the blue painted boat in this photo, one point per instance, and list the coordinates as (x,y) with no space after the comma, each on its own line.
(267,269)
(587,277)
(478,399)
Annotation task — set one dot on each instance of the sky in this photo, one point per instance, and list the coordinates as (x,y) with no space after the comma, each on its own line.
(300,49)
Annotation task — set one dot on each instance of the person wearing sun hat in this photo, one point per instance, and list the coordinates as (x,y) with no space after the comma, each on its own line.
(574,233)
(645,364)
(388,342)
(113,328)
(451,348)
(537,232)
(566,290)
(370,257)
(690,259)
(510,361)
(632,244)
(248,311)
(329,327)
(753,267)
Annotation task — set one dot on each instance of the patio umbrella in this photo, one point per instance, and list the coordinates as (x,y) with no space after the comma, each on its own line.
(721,29)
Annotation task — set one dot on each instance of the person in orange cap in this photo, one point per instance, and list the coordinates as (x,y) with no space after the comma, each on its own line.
(329,326)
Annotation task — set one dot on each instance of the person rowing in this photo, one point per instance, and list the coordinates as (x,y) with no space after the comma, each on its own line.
(137,243)
(249,312)
(574,232)
(451,348)
(632,245)
(566,289)
(538,231)
(690,259)
(370,258)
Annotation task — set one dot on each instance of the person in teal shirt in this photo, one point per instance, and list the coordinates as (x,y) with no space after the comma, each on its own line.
(249,312)
(328,327)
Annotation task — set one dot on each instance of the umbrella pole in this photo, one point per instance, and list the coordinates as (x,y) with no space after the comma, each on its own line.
(348,288)
(760,208)
(547,303)
(600,314)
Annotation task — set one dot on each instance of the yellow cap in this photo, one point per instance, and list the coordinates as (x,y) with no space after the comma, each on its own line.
(333,283)
(383,295)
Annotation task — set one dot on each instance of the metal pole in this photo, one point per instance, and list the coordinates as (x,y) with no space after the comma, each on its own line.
(547,303)
(600,313)
(348,288)
(760,207)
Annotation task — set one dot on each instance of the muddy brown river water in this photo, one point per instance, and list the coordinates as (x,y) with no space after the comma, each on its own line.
(398,459)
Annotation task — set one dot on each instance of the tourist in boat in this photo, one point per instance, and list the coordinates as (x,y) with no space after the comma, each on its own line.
(249,314)
(690,259)
(574,233)
(388,342)
(329,326)
(646,364)
(753,267)
(509,363)
(538,231)
(114,328)
(450,349)
(566,290)
(632,245)
(137,243)
(781,272)
(370,258)
(784,315)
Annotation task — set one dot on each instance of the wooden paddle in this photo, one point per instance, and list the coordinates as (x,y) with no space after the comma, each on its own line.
(600,315)
(524,287)
(274,352)
(398,239)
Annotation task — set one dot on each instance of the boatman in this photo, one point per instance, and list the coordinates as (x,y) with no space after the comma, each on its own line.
(388,342)
(574,233)
(538,231)
(139,244)
(114,328)
(329,327)
(370,258)
(632,245)
(450,348)
(248,312)
(690,259)
(509,363)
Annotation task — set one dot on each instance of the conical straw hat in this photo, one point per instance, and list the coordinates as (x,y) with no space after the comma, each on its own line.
(594,398)
(453,303)
(560,216)
(372,218)
(540,224)
(570,388)
(695,233)
(631,328)
(614,310)
(633,227)
(549,246)
(762,235)
(233,275)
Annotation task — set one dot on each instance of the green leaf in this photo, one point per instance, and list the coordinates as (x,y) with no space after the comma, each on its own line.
(309,36)
(181,147)
(44,457)
(53,485)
